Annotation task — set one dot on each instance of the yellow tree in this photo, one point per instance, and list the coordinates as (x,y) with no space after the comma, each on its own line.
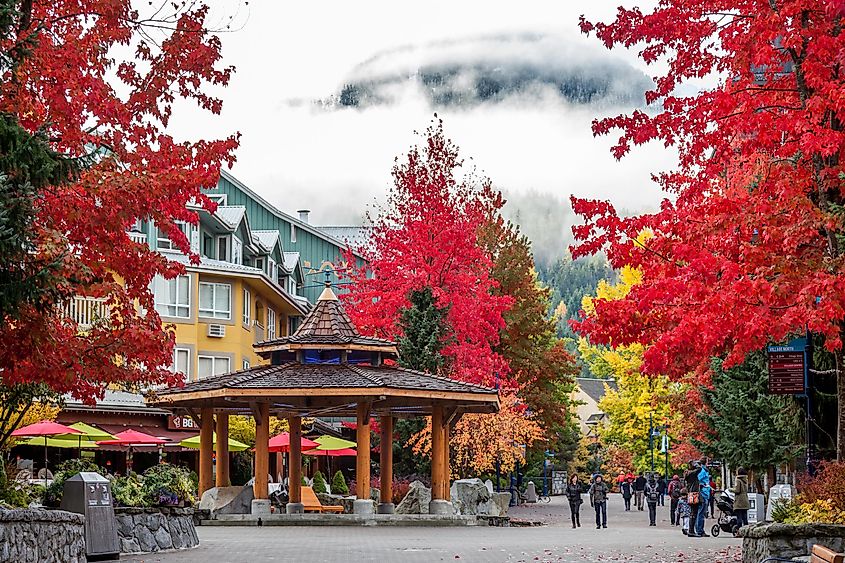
(637,400)
(479,440)
(25,404)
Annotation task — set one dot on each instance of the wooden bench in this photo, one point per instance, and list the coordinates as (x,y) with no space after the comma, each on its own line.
(821,554)
(311,503)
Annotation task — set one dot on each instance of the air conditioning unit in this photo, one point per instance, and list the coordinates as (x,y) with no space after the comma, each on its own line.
(216,331)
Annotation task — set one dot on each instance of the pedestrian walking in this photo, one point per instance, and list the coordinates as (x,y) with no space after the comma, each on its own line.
(661,488)
(693,496)
(652,498)
(598,500)
(627,490)
(705,493)
(674,488)
(573,493)
(639,487)
(741,502)
(683,511)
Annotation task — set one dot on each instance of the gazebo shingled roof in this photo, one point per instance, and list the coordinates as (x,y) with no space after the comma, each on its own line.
(327,368)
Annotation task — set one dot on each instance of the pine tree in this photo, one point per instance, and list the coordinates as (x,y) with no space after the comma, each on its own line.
(423,331)
(339,486)
(319,485)
(749,427)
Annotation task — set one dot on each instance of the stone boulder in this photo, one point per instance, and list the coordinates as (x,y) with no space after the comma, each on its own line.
(416,500)
(471,497)
(500,502)
(227,500)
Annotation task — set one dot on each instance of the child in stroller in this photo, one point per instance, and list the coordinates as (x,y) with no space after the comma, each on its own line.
(727,520)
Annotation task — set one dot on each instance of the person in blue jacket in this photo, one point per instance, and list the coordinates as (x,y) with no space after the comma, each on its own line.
(706,491)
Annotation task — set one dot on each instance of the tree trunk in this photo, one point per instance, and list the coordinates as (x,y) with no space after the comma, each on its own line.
(840,398)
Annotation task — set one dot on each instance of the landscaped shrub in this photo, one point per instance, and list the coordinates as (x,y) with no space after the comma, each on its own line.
(66,470)
(128,491)
(828,484)
(796,512)
(319,483)
(339,486)
(168,484)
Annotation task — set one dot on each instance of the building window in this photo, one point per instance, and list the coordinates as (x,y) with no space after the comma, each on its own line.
(292,232)
(220,199)
(212,365)
(207,245)
(182,362)
(173,297)
(271,324)
(292,286)
(247,307)
(245,364)
(223,248)
(237,250)
(273,271)
(163,242)
(215,300)
(259,263)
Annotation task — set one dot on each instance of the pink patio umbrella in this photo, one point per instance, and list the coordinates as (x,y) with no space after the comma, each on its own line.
(281,443)
(332,453)
(44,429)
(132,438)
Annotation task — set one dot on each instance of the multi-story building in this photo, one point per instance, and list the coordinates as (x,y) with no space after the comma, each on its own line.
(259,271)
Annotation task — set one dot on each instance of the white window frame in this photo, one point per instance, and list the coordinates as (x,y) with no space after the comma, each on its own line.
(245,364)
(163,242)
(271,324)
(273,271)
(237,251)
(181,310)
(247,317)
(214,312)
(291,286)
(259,263)
(214,361)
(228,248)
(175,366)
(220,199)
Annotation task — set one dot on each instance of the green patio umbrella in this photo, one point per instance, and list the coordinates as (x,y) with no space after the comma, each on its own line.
(194,443)
(85,439)
(332,443)
(61,443)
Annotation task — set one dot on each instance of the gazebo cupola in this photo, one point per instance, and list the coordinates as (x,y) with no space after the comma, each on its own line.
(327,336)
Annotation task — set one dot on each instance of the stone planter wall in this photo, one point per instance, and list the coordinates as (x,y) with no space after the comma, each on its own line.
(146,530)
(784,540)
(42,536)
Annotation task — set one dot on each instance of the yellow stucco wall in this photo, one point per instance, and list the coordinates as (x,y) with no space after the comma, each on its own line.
(239,338)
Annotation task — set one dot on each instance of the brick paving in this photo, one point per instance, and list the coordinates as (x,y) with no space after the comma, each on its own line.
(628,538)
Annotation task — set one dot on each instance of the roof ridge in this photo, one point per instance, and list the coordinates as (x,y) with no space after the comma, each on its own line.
(442,378)
(364,374)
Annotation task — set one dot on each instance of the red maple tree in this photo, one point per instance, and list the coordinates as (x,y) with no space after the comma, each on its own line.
(749,247)
(428,236)
(70,81)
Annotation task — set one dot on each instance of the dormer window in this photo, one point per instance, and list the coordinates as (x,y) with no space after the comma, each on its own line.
(273,271)
(237,250)
(163,242)
(223,248)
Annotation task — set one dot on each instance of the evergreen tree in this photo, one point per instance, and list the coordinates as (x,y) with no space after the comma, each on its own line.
(423,332)
(748,426)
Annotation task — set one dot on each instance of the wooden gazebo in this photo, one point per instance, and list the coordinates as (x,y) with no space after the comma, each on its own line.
(327,369)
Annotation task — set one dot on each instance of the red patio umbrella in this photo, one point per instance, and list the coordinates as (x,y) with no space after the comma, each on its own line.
(133,438)
(44,428)
(281,443)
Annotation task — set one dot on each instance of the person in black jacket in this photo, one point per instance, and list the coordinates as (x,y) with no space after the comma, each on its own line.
(627,490)
(693,490)
(639,487)
(573,493)
(598,500)
(652,498)
(661,488)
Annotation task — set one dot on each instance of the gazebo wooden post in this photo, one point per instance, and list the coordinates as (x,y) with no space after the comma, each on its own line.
(363,503)
(222,450)
(261,502)
(386,466)
(295,505)
(206,446)
(440,503)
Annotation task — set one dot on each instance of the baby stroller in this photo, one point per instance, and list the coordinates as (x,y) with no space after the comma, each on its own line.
(727,521)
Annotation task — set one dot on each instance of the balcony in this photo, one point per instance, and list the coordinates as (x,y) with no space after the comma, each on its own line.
(135,236)
(86,311)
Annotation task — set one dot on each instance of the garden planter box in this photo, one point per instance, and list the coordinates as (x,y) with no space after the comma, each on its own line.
(785,540)
(147,530)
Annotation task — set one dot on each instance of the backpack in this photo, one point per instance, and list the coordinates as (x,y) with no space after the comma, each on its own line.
(652,494)
(674,490)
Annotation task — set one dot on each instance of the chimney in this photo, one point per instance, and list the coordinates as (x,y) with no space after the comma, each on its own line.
(303,215)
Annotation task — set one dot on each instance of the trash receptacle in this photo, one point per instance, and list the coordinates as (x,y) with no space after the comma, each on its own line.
(89,494)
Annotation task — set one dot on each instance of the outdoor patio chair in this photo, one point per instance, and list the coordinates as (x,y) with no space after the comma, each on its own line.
(311,503)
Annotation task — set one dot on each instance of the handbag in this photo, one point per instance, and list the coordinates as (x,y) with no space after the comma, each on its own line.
(693,497)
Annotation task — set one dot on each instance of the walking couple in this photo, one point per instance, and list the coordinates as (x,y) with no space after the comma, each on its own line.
(697,481)
(598,500)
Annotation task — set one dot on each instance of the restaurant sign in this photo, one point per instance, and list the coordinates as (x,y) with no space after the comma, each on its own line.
(176,422)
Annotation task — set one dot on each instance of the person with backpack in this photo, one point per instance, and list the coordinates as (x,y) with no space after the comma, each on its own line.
(674,488)
(573,493)
(598,500)
(639,487)
(661,488)
(652,498)
(627,490)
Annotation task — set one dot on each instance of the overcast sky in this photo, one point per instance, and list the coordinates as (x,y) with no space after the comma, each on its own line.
(336,160)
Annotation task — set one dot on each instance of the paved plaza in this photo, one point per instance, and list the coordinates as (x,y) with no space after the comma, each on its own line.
(628,538)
